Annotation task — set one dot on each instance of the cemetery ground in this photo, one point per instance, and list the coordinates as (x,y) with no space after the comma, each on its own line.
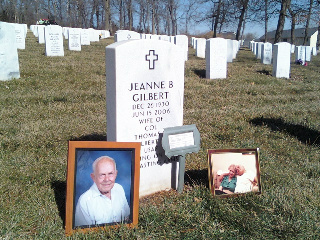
(63,98)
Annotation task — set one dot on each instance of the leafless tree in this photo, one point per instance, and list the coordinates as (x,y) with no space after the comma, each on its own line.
(307,23)
(243,9)
(285,4)
(107,13)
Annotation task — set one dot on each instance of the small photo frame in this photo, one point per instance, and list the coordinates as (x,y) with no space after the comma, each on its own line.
(102,185)
(234,172)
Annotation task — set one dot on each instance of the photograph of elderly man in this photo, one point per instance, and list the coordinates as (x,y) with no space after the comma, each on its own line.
(105,201)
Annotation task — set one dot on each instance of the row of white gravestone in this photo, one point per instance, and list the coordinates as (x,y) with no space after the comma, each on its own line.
(262,51)
(217,52)
(52,37)
(9,62)
(304,53)
(199,44)
(179,40)
(280,55)
(93,34)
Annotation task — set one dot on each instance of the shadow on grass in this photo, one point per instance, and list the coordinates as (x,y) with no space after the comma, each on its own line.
(90,137)
(200,73)
(196,177)
(59,188)
(266,72)
(303,134)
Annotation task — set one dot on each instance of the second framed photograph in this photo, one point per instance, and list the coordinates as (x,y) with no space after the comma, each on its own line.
(102,185)
(234,171)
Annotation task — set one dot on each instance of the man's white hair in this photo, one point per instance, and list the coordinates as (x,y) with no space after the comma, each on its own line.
(94,164)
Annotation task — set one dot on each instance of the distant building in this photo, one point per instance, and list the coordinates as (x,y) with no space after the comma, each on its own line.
(298,36)
(227,35)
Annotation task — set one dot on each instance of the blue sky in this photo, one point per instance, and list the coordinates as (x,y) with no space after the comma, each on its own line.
(251,27)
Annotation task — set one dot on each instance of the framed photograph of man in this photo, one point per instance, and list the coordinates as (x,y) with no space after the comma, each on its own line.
(233,172)
(102,185)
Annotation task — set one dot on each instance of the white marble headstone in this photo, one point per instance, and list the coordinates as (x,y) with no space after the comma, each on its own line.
(85,37)
(165,38)
(314,51)
(105,33)
(266,53)
(292,48)
(281,60)
(300,54)
(65,32)
(258,52)
(74,39)
(20,35)
(201,47)
(9,62)
(229,50)
(122,35)
(255,47)
(216,58)
(235,48)
(308,53)
(41,38)
(94,35)
(145,88)
(54,40)
(182,41)
(155,37)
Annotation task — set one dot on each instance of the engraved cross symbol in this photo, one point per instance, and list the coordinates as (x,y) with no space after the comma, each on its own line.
(152,57)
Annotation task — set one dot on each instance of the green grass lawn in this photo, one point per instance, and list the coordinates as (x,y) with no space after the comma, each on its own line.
(63,98)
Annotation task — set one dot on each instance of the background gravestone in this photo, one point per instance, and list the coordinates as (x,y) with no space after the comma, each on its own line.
(216,58)
(74,40)
(54,40)
(85,37)
(182,41)
(94,35)
(281,60)
(266,53)
(65,32)
(201,47)
(258,52)
(9,62)
(41,37)
(20,35)
(300,54)
(145,87)
(122,35)
(229,50)
(308,50)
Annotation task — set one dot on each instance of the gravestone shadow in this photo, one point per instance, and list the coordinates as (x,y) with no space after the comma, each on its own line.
(59,188)
(304,134)
(196,177)
(201,73)
(266,72)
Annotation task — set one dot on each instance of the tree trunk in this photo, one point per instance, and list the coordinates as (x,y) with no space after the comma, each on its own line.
(266,18)
(130,15)
(293,26)
(305,39)
(153,17)
(107,14)
(120,15)
(216,20)
(241,19)
(285,4)
(172,12)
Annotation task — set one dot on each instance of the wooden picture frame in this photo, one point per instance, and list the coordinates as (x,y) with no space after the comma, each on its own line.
(243,163)
(81,155)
